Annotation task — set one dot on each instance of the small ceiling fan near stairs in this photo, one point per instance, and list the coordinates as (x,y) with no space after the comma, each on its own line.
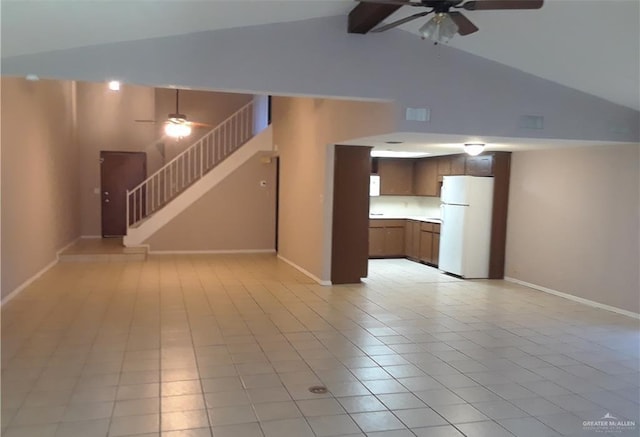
(446,23)
(176,125)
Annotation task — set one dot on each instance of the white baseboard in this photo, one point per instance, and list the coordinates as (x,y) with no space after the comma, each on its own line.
(209,252)
(581,300)
(34,277)
(306,272)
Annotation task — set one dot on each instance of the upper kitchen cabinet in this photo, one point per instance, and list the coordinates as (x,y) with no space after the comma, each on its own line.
(396,176)
(426,177)
(444,166)
(481,165)
(457,164)
(451,165)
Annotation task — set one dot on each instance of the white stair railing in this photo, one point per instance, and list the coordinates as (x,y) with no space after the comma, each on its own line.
(189,166)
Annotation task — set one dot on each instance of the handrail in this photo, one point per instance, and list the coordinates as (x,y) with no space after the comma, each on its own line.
(219,126)
(190,165)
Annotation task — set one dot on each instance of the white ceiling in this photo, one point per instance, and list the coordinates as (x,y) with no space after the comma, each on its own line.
(590,45)
(444,144)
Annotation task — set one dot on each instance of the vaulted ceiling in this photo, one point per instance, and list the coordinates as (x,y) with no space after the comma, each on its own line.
(590,45)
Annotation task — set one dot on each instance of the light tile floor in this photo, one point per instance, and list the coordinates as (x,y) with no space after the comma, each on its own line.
(226,346)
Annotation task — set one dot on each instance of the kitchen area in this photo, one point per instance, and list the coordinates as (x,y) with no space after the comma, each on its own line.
(447,212)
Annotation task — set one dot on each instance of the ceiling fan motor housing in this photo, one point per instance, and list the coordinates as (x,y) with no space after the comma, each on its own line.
(441,5)
(177,118)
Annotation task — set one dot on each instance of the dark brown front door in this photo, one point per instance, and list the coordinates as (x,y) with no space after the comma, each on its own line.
(119,172)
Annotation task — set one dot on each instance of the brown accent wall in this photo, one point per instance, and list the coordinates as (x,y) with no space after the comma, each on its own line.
(304,129)
(237,214)
(574,222)
(40,189)
(350,227)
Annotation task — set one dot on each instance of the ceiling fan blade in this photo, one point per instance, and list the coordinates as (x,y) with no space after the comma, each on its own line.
(487,5)
(145,121)
(392,2)
(399,22)
(465,26)
(197,124)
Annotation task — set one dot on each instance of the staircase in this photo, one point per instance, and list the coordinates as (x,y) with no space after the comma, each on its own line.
(188,176)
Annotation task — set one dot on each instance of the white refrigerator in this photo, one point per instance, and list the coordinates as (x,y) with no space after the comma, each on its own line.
(465,234)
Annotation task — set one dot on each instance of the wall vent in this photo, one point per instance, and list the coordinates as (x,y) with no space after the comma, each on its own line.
(532,122)
(418,114)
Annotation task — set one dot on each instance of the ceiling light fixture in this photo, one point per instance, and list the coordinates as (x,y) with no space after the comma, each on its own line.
(473,149)
(177,129)
(440,28)
(114,85)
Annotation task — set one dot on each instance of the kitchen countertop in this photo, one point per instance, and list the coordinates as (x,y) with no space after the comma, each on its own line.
(410,217)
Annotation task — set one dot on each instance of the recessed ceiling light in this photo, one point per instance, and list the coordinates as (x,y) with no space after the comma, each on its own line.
(114,85)
(397,154)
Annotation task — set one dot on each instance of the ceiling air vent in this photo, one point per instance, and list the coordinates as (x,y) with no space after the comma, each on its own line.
(532,122)
(418,114)
(618,128)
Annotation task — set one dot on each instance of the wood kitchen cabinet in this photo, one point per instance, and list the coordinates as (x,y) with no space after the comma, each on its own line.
(426,177)
(435,253)
(396,176)
(429,243)
(426,246)
(444,166)
(386,238)
(481,165)
(458,163)
(376,242)
(412,239)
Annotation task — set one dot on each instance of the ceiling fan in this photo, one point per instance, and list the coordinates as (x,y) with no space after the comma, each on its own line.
(176,124)
(445,22)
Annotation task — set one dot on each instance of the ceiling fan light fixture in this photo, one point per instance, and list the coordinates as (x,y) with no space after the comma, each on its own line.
(177,130)
(439,29)
(473,149)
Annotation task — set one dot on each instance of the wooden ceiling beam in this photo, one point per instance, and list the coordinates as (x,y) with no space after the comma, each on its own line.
(366,16)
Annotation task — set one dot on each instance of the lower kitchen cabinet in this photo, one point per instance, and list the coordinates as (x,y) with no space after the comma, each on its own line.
(386,238)
(435,256)
(426,246)
(376,242)
(413,239)
(429,243)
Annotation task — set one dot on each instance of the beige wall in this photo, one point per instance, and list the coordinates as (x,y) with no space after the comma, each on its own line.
(574,221)
(201,106)
(40,193)
(304,128)
(237,214)
(106,122)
